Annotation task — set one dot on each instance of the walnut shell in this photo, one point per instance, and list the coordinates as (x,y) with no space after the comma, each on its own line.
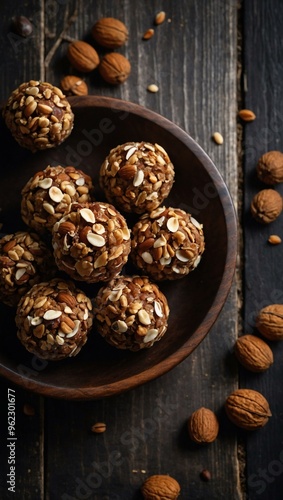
(73,85)
(270,167)
(247,409)
(253,353)
(82,56)
(203,426)
(266,206)
(114,68)
(269,322)
(110,32)
(160,487)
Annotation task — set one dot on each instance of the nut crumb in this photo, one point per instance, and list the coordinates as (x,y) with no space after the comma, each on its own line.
(247,115)
(218,138)
(160,17)
(205,475)
(148,34)
(28,410)
(153,88)
(98,428)
(274,239)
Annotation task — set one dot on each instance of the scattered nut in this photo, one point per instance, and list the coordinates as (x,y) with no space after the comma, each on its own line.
(22,26)
(266,206)
(110,32)
(148,34)
(218,138)
(247,409)
(247,115)
(270,167)
(28,410)
(82,56)
(98,428)
(269,322)
(253,353)
(274,239)
(160,487)
(205,475)
(203,426)
(160,17)
(73,85)
(114,68)
(153,88)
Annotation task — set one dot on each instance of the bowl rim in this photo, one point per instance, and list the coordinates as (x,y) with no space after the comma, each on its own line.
(164,366)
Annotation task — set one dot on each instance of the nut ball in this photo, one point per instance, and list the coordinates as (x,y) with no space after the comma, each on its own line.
(49,194)
(24,261)
(54,319)
(92,242)
(38,115)
(131,312)
(167,243)
(137,176)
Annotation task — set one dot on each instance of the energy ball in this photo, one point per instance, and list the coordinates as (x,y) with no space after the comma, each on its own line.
(137,176)
(49,194)
(24,261)
(167,243)
(38,115)
(131,312)
(54,319)
(92,242)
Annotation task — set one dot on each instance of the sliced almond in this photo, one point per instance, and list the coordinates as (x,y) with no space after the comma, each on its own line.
(55,194)
(148,34)
(173,224)
(138,179)
(52,314)
(151,335)
(87,215)
(95,239)
(144,317)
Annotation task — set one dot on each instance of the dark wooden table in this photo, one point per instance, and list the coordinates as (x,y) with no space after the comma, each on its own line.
(209,59)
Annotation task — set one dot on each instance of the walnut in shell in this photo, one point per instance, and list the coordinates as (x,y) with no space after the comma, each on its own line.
(137,176)
(114,68)
(203,426)
(24,261)
(253,353)
(266,206)
(47,196)
(247,409)
(54,319)
(270,167)
(92,242)
(160,487)
(110,32)
(269,322)
(38,115)
(167,243)
(131,312)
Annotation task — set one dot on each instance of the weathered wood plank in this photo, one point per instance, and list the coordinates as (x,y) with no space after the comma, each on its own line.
(263,65)
(21,60)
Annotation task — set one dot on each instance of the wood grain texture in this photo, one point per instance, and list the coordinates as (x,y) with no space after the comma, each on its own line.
(192,59)
(263,66)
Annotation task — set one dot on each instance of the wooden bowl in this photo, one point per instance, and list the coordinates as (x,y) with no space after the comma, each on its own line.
(195,301)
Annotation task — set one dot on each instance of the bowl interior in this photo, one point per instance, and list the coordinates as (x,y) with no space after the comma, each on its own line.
(195,301)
